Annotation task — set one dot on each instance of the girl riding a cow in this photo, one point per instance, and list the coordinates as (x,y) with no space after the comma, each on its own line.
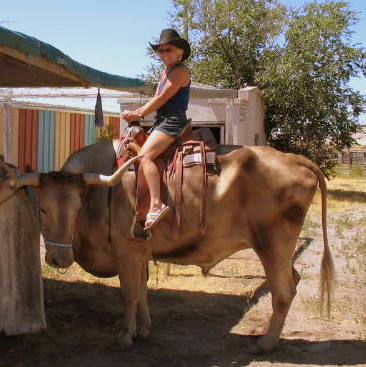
(171,102)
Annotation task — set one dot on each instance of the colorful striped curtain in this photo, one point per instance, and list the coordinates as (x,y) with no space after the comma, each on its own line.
(62,138)
(46,141)
(28,139)
(90,130)
(114,122)
(2,130)
(77,136)
(15,137)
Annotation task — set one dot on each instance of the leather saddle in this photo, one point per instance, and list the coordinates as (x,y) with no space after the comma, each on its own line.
(191,148)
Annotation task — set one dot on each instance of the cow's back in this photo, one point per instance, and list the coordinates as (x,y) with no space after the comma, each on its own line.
(254,186)
(268,175)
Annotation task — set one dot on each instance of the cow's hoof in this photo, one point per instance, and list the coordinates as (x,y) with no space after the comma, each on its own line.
(265,344)
(125,341)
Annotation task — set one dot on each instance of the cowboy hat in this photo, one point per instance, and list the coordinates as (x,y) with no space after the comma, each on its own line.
(171,37)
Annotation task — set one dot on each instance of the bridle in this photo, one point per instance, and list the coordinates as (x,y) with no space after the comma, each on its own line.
(56,243)
(59,244)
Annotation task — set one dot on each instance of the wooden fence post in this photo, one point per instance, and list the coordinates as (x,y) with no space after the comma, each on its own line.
(21,289)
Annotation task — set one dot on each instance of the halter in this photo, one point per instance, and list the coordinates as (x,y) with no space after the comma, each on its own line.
(59,244)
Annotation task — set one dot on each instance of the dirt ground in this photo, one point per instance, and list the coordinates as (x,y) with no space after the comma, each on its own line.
(214,321)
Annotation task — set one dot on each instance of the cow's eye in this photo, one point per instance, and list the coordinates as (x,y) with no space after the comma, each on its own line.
(43,211)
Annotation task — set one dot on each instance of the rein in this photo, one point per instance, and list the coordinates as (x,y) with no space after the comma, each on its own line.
(122,143)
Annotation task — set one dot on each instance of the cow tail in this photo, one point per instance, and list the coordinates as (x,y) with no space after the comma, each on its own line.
(327,272)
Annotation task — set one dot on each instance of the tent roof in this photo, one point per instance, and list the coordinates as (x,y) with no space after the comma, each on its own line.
(27,62)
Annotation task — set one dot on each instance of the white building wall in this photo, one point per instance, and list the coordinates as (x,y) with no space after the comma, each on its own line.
(251,117)
(241,119)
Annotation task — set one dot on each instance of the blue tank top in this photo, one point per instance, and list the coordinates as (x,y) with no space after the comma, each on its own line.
(177,104)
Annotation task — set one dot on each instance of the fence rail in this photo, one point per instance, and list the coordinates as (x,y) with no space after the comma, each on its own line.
(351,158)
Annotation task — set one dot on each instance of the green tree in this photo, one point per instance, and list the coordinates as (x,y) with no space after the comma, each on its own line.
(106,133)
(183,16)
(312,110)
(228,37)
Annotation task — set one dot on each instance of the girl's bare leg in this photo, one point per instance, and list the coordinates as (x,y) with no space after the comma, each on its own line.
(156,144)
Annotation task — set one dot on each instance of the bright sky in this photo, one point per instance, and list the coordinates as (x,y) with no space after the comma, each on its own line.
(112,35)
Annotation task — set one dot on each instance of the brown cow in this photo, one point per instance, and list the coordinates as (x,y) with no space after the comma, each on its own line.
(258,200)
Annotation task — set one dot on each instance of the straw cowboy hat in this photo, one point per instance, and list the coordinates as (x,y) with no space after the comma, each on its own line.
(171,37)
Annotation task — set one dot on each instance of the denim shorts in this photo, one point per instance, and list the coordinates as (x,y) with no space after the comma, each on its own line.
(171,125)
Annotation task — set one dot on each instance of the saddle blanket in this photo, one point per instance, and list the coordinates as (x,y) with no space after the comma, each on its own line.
(194,159)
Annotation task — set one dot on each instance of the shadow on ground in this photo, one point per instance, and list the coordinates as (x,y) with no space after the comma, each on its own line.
(189,329)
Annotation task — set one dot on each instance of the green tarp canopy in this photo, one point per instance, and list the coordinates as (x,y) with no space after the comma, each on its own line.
(27,62)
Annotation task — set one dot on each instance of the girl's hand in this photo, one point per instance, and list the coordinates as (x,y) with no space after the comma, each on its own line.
(130,116)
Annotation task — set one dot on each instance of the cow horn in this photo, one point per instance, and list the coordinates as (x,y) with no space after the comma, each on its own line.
(96,179)
(16,182)
(27,179)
